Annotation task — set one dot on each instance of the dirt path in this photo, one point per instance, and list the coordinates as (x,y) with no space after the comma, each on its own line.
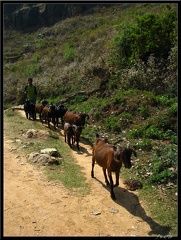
(35,207)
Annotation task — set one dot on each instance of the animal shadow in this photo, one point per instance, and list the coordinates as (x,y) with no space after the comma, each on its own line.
(130,202)
(82,150)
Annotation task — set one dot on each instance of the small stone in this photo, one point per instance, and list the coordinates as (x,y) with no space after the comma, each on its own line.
(96,212)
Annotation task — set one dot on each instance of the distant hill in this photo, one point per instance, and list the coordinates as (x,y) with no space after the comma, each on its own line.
(32,16)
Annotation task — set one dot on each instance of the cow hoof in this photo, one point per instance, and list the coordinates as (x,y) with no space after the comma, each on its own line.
(113,197)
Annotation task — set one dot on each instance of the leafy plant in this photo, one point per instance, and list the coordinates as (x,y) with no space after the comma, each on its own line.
(144,111)
(137,132)
(41,43)
(69,52)
(145,144)
(164,166)
(153,132)
(173,110)
(32,70)
(112,124)
(142,39)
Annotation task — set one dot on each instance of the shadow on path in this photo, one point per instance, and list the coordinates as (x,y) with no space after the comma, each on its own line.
(130,202)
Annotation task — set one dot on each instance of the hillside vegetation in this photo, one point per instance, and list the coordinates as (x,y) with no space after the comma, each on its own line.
(119,65)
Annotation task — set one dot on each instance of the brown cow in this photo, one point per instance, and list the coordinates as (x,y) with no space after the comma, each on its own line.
(68,133)
(75,118)
(48,113)
(110,158)
(77,132)
(39,107)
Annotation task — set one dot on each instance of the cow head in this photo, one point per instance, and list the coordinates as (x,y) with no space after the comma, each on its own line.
(126,156)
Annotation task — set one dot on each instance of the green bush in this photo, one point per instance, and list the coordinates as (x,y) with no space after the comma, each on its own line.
(41,43)
(112,124)
(163,122)
(137,132)
(144,111)
(164,166)
(164,100)
(153,132)
(145,144)
(173,110)
(78,99)
(152,34)
(69,52)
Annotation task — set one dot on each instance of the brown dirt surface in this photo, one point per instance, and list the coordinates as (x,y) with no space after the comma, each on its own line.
(34,206)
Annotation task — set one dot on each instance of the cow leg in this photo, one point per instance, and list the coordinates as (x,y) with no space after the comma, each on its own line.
(54,122)
(78,146)
(69,139)
(105,176)
(111,185)
(34,116)
(62,121)
(48,122)
(93,163)
(57,121)
(27,115)
(117,179)
(72,140)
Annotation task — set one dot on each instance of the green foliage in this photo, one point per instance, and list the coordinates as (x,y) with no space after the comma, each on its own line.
(163,122)
(36,58)
(126,115)
(78,99)
(164,166)
(53,135)
(41,43)
(112,124)
(174,139)
(137,132)
(145,144)
(151,34)
(32,70)
(69,52)
(153,132)
(164,100)
(173,110)
(125,119)
(144,111)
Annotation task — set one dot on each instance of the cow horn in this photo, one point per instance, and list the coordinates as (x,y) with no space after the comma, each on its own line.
(128,145)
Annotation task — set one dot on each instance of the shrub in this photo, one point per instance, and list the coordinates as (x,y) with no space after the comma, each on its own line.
(164,100)
(32,70)
(153,132)
(145,144)
(112,124)
(152,34)
(138,132)
(78,99)
(41,43)
(163,122)
(69,52)
(144,111)
(173,110)
(164,166)
(125,119)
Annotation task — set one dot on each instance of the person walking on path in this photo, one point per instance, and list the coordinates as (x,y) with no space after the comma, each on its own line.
(31,92)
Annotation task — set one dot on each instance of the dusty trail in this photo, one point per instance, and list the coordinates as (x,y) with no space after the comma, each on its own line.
(35,207)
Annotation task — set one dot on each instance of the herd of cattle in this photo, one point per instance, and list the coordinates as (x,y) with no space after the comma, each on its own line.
(71,121)
(107,155)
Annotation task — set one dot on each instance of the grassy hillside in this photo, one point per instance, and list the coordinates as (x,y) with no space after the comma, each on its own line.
(77,61)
